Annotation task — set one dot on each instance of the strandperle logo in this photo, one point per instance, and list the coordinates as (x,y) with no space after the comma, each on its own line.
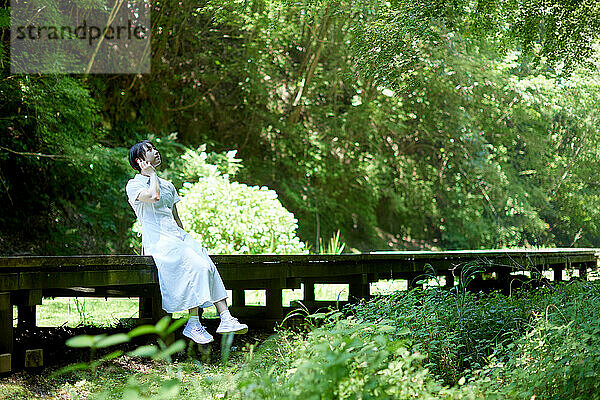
(78,37)
(90,33)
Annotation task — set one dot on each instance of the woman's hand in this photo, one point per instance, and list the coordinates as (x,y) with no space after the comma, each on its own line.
(152,194)
(145,167)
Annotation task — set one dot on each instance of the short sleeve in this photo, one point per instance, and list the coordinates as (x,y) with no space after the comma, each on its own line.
(176,198)
(133,188)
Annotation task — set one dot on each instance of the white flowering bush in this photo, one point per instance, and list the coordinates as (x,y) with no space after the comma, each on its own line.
(234,218)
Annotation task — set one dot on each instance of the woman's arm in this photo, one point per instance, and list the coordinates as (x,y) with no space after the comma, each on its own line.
(152,194)
(176,216)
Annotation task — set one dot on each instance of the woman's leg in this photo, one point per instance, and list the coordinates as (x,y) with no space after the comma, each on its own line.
(221,305)
(195,312)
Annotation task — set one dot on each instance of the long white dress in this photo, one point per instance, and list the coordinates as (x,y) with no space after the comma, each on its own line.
(187,276)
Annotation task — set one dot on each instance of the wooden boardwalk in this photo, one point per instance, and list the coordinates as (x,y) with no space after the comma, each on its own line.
(25,280)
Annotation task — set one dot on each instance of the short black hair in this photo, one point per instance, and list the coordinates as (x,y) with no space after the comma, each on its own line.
(136,151)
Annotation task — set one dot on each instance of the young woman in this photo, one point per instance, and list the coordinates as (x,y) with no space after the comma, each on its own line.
(187,276)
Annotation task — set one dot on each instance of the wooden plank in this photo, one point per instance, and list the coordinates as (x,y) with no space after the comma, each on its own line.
(56,279)
(336,279)
(252,272)
(265,261)
(252,284)
(239,270)
(75,261)
(102,291)
(134,260)
(27,297)
(405,255)
(9,281)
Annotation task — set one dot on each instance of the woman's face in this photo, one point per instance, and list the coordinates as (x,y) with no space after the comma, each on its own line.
(152,155)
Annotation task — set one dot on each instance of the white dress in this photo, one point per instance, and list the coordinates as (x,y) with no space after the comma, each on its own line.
(187,276)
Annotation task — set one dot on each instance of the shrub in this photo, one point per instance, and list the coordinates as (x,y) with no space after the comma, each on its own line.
(234,218)
(345,359)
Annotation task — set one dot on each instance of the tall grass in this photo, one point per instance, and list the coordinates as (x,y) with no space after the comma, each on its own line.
(441,344)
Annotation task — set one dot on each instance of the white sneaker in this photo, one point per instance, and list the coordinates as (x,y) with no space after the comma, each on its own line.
(232,325)
(197,333)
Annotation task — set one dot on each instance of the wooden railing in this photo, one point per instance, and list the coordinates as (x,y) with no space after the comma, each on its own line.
(25,280)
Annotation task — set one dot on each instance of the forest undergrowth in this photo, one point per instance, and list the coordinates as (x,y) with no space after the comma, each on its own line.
(440,344)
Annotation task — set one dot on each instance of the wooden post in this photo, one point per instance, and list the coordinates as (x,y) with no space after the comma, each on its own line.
(6,331)
(151,307)
(157,311)
(5,363)
(34,358)
(557,272)
(536,274)
(238,297)
(583,268)
(359,287)
(274,300)
(145,307)
(309,290)
(26,302)
(503,278)
(449,280)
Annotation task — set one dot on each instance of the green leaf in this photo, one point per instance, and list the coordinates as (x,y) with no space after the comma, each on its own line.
(81,341)
(161,326)
(172,349)
(142,330)
(113,340)
(144,351)
(177,324)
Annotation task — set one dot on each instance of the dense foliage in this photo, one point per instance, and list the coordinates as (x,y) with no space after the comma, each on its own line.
(402,124)
(437,345)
